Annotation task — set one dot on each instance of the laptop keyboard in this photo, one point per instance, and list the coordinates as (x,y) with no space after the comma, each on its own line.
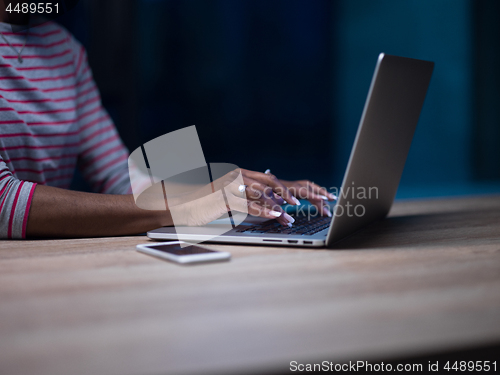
(302,226)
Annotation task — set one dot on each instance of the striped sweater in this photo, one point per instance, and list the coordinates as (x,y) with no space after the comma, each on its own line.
(51,121)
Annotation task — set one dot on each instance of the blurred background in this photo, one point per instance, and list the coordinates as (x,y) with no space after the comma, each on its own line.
(281,84)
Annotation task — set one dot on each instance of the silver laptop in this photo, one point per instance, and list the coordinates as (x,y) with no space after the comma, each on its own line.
(390,116)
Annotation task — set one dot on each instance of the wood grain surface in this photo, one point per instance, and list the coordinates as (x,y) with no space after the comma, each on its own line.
(427,279)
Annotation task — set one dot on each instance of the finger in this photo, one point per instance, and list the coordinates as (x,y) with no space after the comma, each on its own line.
(261,206)
(279,199)
(300,192)
(272,181)
(319,191)
(284,219)
(257,190)
(308,190)
(322,207)
(325,210)
(257,209)
(252,189)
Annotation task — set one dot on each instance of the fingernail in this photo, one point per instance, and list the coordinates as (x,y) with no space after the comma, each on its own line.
(268,171)
(327,212)
(323,197)
(289,225)
(288,218)
(297,202)
(275,213)
(285,202)
(332,196)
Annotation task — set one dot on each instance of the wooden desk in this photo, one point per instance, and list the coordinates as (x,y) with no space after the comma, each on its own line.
(427,279)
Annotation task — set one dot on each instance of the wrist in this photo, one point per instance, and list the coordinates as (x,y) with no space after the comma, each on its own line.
(153,212)
(164,218)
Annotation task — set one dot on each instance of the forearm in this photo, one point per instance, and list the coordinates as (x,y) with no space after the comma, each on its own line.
(63,213)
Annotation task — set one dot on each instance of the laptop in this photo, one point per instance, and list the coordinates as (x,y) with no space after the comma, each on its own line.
(390,116)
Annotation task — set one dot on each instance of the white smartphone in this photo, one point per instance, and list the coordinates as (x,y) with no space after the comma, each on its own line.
(174,252)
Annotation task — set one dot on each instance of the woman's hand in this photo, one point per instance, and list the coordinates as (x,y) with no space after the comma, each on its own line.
(255,193)
(265,190)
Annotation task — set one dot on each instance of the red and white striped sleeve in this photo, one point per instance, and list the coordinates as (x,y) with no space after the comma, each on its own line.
(103,159)
(15,202)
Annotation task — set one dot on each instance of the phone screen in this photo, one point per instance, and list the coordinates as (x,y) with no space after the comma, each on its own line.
(177,250)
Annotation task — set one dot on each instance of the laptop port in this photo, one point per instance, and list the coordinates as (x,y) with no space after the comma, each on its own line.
(308,242)
(293,241)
